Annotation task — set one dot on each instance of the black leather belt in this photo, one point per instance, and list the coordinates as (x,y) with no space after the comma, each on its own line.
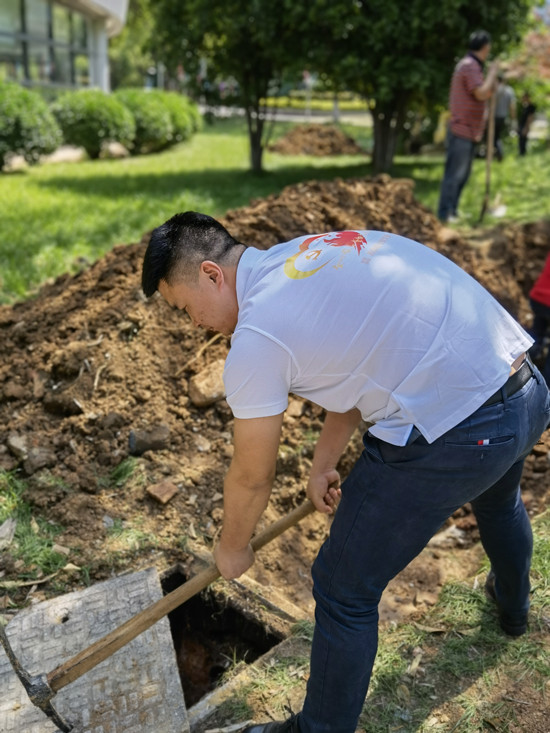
(513,384)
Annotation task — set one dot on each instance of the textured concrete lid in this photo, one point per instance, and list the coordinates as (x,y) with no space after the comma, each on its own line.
(136,690)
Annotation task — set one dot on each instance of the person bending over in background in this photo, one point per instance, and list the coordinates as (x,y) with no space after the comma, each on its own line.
(468,93)
(368,325)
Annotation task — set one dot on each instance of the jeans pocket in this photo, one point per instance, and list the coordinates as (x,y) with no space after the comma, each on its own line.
(480,442)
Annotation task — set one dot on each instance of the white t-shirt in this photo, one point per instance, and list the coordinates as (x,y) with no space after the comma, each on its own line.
(370,320)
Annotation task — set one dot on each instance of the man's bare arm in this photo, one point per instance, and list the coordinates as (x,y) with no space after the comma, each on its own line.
(324,480)
(247,488)
(488,88)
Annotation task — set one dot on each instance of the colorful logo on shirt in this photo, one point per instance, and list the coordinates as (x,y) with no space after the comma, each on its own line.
(320,250)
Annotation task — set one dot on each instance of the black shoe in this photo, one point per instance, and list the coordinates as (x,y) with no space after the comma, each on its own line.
(287,726)
(512,628)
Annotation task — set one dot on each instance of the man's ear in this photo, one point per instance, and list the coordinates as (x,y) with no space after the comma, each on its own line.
(212,271)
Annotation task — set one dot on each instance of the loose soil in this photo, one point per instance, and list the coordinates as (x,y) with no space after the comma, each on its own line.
(93,374)
(315,139)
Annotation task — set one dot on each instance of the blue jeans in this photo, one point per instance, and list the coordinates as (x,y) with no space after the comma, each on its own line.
(393,502)
(458,164)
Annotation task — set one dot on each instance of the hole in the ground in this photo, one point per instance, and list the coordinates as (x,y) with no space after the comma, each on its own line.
(211,634)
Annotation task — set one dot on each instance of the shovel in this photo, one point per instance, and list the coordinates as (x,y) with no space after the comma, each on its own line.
(42,688)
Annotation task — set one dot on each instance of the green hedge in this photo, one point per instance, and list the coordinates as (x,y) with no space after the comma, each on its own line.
(143,121)
(27,126)
(89,118)
(154,127)
(179,109)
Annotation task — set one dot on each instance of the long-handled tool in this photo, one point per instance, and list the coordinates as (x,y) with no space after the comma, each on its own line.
(42,688)
(489,156)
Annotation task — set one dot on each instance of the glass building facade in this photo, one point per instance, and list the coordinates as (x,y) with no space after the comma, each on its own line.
(44,43)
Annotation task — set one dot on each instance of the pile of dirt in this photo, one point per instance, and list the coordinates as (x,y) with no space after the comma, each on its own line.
(93,373)
(318,140)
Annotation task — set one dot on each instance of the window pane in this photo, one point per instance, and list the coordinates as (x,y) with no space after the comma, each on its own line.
(37,18)
(40,67)
(80,29)
(61,71)
(82,69)
(61,24)
(11,60)
(10,16)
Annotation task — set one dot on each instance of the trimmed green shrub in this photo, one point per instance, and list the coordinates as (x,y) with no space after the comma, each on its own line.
(27,127)
(154,128)
(185,115)
(89,118)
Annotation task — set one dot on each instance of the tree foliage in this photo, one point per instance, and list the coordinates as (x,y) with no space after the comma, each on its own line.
(252,41)
(400,54)
(130,56)
(397,53)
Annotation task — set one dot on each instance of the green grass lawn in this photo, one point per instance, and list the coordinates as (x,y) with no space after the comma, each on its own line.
(522,185)
(57,217)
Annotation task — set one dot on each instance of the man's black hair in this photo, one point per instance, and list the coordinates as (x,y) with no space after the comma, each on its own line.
(179,246)
(478,39)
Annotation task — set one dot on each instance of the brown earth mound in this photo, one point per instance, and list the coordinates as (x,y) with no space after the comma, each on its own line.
(92,374)
(316,140)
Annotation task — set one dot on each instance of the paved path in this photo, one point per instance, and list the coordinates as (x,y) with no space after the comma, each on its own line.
(363,118)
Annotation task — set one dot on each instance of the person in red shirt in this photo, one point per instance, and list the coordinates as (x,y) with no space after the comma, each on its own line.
(539,298)
(468,94)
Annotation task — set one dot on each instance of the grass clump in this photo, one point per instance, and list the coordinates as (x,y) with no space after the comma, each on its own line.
(303,629)
(127,473)
(123,537)
(33,544)
(124,543)
(278,680)
(121,474)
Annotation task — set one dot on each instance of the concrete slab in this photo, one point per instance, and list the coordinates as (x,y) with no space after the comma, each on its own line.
(136,690)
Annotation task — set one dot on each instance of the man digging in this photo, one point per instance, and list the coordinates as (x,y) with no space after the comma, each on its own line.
(373,325)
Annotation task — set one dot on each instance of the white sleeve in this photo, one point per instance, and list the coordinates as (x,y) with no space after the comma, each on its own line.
(257,375)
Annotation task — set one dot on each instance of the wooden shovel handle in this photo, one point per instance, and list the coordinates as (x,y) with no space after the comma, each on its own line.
(103,648)
(488,156)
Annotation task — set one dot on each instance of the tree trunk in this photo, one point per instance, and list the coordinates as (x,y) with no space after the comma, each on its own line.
(335,109)
(256,152)
(388,121)
(255,131)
